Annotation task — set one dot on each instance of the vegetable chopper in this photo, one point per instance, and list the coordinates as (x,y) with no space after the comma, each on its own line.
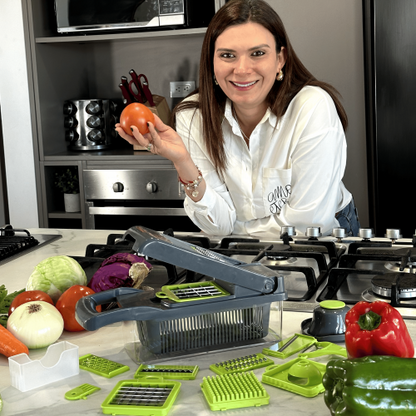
(167,327)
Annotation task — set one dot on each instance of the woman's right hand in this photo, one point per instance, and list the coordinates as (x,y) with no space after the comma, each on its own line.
(164,140)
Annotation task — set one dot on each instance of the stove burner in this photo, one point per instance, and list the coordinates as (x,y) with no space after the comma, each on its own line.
(370,297)
(406,284)
(282,259)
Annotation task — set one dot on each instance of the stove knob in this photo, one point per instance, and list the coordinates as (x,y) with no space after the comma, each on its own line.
(338,232)
(366,233)
(291,231)
(118,187)
(393,234)
(313,232)
(151,187)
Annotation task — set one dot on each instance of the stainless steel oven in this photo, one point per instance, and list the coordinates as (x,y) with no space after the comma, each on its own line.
(148,195)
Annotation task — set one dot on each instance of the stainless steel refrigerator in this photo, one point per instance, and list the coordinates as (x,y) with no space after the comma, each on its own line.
(390,67)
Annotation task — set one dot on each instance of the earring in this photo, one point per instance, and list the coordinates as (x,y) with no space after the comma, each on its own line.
(280,76)
(215,81)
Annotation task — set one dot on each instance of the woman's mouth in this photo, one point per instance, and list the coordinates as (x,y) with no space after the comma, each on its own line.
(243,84)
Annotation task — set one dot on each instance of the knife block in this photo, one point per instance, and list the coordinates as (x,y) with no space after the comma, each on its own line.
(161,108)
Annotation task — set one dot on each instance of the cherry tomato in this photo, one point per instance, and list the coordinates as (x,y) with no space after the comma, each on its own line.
(136,114)
(66,305)
(28,296)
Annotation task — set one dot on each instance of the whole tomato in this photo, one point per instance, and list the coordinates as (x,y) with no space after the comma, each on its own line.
(66,305)
(136,114)
(28,296)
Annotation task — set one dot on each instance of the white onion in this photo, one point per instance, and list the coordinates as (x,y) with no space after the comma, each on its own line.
(37,324)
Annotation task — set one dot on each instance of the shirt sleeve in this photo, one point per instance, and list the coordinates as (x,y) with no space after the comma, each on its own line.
(214,213)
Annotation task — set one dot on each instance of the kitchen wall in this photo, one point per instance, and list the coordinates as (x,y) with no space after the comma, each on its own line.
(326,34)
(17,129)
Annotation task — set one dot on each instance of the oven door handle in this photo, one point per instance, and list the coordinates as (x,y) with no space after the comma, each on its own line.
(136,211)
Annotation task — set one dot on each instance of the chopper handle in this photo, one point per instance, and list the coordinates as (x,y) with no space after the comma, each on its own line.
(89,318)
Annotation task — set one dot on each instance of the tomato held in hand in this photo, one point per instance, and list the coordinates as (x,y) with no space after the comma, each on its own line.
(66,305)
(28,296)
(136,114)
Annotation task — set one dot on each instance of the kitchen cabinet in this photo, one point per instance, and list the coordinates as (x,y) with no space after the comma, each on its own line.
(64,67)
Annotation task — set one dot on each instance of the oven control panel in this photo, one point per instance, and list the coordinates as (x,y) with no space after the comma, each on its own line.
(132,184)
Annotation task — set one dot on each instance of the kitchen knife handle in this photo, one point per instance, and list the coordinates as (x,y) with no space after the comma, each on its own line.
(126,94)
(135,80)
(148,94)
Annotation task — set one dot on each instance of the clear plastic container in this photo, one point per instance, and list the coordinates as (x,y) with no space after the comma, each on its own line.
(59,362)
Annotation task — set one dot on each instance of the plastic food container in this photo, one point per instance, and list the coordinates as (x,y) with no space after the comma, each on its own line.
(212,331)
(59,362)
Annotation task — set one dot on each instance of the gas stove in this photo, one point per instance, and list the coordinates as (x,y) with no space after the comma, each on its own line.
(314,267)
(376,269)
(15,242)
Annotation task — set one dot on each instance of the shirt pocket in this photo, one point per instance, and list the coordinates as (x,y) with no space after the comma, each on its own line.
(277,187)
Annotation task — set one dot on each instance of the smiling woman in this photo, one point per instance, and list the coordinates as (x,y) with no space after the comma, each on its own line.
(261,143)
(245,66)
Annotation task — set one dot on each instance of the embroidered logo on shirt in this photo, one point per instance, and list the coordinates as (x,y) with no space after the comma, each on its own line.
(278,198)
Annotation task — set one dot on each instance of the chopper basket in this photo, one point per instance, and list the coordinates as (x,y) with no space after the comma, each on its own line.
(205,331)
(165,326)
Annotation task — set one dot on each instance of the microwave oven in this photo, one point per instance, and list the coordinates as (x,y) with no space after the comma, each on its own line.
(124,15)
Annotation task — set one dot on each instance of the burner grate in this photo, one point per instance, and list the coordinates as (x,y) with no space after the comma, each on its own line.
(14,241)
(398,294)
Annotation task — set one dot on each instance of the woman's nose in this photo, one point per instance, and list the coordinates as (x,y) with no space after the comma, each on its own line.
(243,65)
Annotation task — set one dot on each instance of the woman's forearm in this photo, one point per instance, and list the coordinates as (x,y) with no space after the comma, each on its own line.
(191,177)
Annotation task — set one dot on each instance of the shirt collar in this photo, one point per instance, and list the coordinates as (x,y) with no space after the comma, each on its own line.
(268,116)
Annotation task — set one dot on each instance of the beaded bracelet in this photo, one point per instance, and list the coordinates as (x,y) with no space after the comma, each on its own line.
(191,186)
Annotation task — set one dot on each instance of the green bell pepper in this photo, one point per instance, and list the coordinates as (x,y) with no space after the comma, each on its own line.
(371,386)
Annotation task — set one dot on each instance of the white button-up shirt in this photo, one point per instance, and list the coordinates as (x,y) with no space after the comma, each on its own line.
(291,174)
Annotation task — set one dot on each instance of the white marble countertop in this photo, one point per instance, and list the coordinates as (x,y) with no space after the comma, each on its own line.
(108,342)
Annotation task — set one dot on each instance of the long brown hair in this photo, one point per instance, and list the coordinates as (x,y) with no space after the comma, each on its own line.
(212,99)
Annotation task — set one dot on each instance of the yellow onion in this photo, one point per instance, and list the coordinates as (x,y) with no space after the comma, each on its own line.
(37,324)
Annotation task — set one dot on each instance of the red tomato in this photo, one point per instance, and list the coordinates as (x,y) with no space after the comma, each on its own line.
(28,296)
(66,305)
(136,114)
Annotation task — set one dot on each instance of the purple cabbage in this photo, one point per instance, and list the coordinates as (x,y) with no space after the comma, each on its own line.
(114,272)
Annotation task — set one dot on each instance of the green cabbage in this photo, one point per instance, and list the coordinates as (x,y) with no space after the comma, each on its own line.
(56,274)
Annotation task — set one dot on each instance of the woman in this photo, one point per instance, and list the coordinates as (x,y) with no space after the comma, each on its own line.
(261,144)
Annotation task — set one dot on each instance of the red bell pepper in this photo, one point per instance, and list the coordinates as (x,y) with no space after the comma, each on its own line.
(376,329)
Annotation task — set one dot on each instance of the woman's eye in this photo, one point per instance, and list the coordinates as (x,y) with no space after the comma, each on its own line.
(258,53)
(227,55)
